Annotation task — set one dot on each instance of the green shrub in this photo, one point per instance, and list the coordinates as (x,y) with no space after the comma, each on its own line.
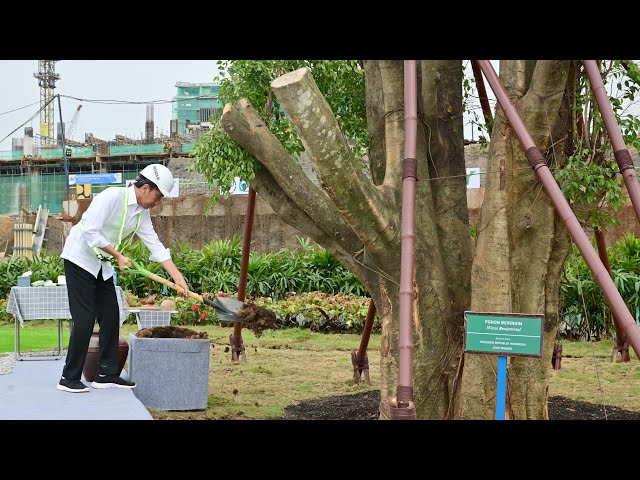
(216,267)
(5,317)
(43,267)
(586,313)
(316,311)
(192,312)
(310,287)
(321,312)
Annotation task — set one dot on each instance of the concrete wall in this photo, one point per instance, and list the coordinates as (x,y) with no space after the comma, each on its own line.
(475,156)
(187,220)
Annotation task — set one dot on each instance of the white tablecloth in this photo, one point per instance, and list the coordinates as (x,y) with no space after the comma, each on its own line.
(35,303)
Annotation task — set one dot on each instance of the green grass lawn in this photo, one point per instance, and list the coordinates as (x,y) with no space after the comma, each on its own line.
(37,335)
(587,374)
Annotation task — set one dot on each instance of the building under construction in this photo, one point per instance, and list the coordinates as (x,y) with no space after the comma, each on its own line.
(35,170)
(194,108)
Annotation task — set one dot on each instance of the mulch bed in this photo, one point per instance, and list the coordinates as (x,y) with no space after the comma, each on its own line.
(364,406)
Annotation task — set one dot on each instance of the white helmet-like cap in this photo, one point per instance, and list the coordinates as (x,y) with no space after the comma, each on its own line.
(160,175)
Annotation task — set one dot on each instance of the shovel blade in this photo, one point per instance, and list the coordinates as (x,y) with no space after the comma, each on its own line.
(228,317)
(227,310)
(230,305)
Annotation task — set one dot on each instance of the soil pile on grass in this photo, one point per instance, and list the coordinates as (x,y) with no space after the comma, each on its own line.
(364,406)
(359,406)
(170,331)
(258,319)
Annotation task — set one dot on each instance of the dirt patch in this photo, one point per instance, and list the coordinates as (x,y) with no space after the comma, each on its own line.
(170,331)
(364,406)
(359,406)
(562,408)
(6,238)
(258,318)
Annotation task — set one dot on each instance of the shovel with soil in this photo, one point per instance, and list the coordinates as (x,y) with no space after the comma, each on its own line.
(256,318)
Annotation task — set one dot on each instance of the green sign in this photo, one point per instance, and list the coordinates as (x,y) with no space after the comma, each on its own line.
(511,334)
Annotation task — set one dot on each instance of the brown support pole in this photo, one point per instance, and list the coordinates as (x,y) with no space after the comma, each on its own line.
(235,339)
(359,359)
(620,151)
(482,93)
(625,164)
(556,358)
(402,406)
(539,165)
(622,344)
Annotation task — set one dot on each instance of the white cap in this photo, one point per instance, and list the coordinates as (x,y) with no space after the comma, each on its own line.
(160,175)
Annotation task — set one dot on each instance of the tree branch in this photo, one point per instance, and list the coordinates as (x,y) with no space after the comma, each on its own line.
(548,85)
(361,203)
(392,78)
(377,118)
(266,186)
(243,124)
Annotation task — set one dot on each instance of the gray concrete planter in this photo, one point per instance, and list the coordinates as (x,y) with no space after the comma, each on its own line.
(170,373)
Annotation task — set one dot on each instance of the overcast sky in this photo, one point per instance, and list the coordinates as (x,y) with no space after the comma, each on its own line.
(131,80)
(123,80)
(128,80)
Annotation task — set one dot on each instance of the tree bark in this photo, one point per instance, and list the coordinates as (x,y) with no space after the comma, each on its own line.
(519,221)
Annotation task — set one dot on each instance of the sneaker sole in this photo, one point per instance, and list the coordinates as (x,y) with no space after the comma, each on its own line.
(110,385)
(62,388)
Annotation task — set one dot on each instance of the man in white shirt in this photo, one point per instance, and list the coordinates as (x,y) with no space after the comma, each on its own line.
(112,215)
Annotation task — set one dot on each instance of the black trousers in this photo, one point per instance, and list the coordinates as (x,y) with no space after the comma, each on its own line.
(90,299)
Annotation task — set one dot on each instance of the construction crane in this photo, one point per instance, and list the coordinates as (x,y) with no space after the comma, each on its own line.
(72,124)
(47,78)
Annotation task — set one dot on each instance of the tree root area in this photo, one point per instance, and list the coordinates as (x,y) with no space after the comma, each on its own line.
(364,406)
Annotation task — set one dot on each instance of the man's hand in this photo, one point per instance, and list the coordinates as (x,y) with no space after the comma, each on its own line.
(181,282)
(123,262)
(178,279)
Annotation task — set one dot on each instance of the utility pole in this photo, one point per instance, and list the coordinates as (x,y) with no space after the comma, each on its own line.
(65,158)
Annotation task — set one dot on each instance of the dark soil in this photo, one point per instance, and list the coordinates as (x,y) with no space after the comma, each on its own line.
(364,406)
(258,318)
(170,331)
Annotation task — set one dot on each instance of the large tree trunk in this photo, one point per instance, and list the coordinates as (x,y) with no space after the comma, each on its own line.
(527,241)
(442,245)
(358,219)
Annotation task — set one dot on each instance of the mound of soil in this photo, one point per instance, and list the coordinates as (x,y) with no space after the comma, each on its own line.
(258,318)
(364,406)
(170,331)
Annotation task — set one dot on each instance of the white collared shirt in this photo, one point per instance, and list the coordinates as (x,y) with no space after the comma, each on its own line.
(101,225)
